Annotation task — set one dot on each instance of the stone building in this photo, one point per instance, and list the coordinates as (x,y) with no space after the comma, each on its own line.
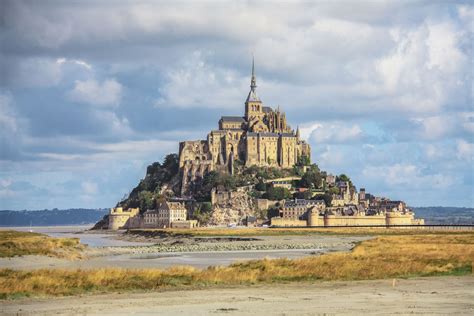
(297,208)
(261,137)
(164,217)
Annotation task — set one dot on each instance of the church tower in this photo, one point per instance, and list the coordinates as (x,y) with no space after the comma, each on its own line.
(253,105)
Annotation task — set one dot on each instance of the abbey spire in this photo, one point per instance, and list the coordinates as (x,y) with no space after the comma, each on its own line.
(252,97)
(253,81)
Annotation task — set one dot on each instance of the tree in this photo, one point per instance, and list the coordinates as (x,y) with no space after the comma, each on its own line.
(171,165)
(302,195)
(273,212)
(311,178)
(206,207)
(303,160)
(326,197)
(146,200)
(333,190)
(277,194)
(342,177)
(261,186)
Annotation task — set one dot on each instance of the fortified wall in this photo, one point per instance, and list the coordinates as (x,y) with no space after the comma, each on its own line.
(317,220)
(120,218)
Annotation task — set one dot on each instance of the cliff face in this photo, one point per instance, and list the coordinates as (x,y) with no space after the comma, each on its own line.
(232,209)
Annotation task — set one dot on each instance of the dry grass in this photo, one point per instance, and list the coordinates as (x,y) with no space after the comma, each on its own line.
(14,243)
(383,257)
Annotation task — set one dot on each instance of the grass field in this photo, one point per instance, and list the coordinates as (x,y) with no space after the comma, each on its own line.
(15,243)
(383,257)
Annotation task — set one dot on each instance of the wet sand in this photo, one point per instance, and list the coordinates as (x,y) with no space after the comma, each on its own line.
(430,296)
(153,257)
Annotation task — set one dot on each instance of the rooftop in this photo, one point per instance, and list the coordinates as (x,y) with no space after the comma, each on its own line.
(239,119)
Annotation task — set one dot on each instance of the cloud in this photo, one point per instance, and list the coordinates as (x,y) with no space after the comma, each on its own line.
(335,132)
(465,151)
(30,72)
(199,84)
(12,129)
(408,175)
(426,68)
(74,61)
(105,94)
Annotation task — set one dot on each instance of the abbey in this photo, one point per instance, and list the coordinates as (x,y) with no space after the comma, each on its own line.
(261,137)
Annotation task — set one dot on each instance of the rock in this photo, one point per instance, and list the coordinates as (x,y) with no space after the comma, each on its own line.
(233,210)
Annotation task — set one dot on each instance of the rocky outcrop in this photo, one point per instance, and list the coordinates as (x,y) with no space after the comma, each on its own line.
(232,209)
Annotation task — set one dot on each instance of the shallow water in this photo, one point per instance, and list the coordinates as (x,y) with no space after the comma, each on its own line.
(87,238)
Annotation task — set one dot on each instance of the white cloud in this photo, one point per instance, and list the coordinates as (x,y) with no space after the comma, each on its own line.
(335,132)
(74,61)
(106,94)
(407,175)
(441,126)
(425,69)
(465,151)
(199,84)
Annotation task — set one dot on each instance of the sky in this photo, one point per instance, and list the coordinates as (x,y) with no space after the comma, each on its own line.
(91,92)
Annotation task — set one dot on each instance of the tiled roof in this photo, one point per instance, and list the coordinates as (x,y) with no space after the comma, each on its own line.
(300,202)
(239,119)
(269,134)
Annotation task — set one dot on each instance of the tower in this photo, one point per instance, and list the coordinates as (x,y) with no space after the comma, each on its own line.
(253,105)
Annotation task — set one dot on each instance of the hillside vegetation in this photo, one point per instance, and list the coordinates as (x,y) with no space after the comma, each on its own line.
(383,257)
(14,243)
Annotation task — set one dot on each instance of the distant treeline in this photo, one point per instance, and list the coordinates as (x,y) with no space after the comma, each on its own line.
(51,217)
(439,215)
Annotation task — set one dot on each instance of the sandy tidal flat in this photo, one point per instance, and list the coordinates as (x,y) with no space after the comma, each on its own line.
(430,296)
(199,255)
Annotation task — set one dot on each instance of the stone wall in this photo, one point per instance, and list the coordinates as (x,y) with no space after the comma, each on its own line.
(314,220)
(338,220)
(185,224)
(287,222)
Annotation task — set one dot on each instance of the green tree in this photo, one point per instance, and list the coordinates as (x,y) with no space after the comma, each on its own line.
(277,194)
(303,160)
(302,195)
(273,212)
(311,178)
(146,200)
(342,177)
(206,207)
(171,165)
(261,186)
(326,197)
